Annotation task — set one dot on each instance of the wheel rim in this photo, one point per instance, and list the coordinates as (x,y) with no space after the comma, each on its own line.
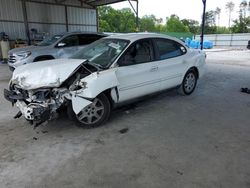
(91,113)
(190,81)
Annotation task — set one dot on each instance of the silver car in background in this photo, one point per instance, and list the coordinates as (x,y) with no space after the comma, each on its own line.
(58,46)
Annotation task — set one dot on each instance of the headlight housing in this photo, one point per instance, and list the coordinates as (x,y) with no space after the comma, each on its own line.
(24,54)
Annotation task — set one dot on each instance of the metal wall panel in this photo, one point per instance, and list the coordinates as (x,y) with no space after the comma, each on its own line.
(222,43)
(82,28)
(239,43)
(242,37)
(11,10)
(48,29)
(81,16)
(46,18)
(45,13)
(236,39)
(13,29)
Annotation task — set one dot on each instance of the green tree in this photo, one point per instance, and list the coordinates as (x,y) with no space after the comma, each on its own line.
(192,25)
(151,24)
(222,30)
(217,15)
(241,25)
(243,7)
(112,20)
(147,23)
(230,7)
(210,26)
(175,25)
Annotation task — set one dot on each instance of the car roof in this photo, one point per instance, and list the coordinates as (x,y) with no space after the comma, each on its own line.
(136,36)
(82,32)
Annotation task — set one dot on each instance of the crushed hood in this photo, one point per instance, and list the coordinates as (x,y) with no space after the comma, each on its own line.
(43,74)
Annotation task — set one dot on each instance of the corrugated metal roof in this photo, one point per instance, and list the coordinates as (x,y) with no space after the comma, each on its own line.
(102,2)
(82,3)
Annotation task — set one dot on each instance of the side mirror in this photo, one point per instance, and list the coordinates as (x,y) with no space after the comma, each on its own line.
(61,44)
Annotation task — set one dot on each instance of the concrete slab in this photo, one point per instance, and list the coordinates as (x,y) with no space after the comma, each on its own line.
(173,141)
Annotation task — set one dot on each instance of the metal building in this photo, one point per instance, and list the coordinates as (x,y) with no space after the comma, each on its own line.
(18,18)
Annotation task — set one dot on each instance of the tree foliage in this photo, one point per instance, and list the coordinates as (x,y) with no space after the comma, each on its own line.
(112,20)
(230,7)
(148,23)
(242,24)
(174,24)
(124,20)
(192,25)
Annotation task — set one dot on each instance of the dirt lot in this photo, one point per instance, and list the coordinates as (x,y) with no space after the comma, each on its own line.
(172,141)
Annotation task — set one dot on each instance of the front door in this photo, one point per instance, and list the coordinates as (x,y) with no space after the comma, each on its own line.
(138,72)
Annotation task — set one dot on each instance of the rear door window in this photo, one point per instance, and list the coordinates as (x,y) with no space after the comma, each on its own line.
(168,48)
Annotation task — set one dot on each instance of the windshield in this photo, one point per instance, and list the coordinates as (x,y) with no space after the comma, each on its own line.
(50,40)
(102,52)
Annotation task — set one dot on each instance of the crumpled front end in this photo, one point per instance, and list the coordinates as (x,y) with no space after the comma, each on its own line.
(38,105)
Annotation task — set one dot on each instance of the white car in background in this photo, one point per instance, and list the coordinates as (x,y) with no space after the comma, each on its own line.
(107,73)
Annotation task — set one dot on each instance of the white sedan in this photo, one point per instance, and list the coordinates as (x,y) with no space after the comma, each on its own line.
(109,72)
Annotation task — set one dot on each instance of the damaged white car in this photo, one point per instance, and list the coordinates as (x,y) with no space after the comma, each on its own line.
(107,73)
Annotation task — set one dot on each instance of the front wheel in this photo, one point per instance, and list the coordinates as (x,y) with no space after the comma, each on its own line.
(92,115)
(189,83)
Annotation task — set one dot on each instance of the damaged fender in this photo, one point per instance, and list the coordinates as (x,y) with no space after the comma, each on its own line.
(78,103)
(95,84)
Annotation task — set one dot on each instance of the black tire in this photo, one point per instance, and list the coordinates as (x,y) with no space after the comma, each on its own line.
(102,101)
(185,88)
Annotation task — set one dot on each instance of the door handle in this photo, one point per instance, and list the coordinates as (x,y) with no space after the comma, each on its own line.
(153,69)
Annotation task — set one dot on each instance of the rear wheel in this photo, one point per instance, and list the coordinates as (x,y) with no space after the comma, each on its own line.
(94,114)
(189,83)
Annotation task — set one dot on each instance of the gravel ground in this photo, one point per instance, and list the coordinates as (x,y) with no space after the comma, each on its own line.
(173,141)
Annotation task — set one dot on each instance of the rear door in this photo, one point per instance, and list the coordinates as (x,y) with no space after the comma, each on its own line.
(171,62)
(138,71)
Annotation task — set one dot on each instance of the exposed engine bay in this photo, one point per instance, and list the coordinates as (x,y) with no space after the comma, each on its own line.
(42,104)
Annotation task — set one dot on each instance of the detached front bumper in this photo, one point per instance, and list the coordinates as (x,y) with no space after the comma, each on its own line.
(34,112)
(13,96)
